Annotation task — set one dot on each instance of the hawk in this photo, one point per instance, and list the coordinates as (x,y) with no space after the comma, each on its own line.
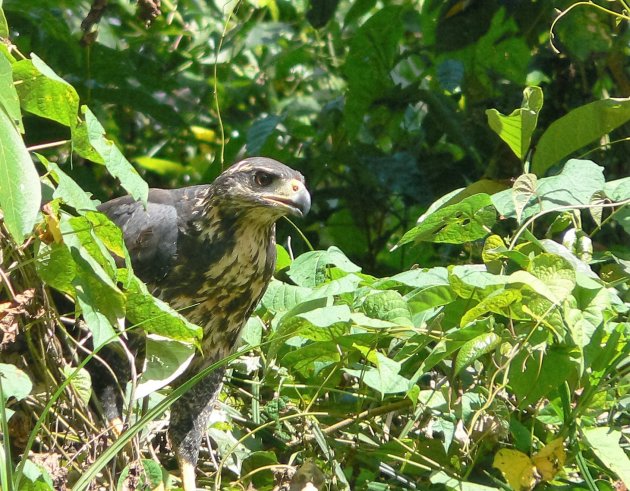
(208,250)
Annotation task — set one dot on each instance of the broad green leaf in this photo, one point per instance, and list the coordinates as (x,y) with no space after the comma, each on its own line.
(384,378)
(474,349)
(320,324)
(93,297)
(453,341)
(154,315)
(67,189)
(474,281)
(536,376)
(309,269)
(327,316)
(44,93)
(346,284)
(502,302)
(165,360)
(114,160)
(15,383)
(81,237)
(387,305)
(252,333)
(369,62)
(281,297)
(81,382)
(259,133)
(20,190)
(56,267)
(311,358)
(555,272)
(578,128)
(9,100)
(283,260)
(416,278)
(517,128)
(575,185)
(522,192)
(604,442)
(465,221)
(430,297)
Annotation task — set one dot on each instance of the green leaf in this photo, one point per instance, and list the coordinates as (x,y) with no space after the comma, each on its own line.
(67,189)
(517,128)
(309,269)
(384,378)
(474,281)
(578,128)
(575,185)
(283,260)
(43,93)
(165,360)
(319,324)
(502,302)
(9,100)
(369,62)
(259,133)
(555,272)
(154,315)
(15,383)
(20,190)
(4,27)
(604,442)
(522,192)
(474,349)
(56,267)
(114,160)
(282,297)
(466,221)
(387,305)
(536,376)
(311,358)
(81,382)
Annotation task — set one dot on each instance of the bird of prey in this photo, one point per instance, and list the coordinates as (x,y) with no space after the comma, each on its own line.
(208,250)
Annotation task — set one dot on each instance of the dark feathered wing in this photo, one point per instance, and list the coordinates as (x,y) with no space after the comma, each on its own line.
(151,234)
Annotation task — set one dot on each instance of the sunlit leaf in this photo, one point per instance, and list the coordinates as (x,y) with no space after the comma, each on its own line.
(517,128)
(578,128)
(114,160)
(20,191)
(9,100)
(474,349)
(465,221)
(604,442)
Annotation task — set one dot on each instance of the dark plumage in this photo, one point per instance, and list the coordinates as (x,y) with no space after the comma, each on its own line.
(209,251)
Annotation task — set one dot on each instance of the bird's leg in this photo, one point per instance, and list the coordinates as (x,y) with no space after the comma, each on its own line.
(189,420)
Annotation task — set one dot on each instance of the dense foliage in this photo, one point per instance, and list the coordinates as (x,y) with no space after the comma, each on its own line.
(461,322)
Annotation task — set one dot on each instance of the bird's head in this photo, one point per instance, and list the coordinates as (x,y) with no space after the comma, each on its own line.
(265,186)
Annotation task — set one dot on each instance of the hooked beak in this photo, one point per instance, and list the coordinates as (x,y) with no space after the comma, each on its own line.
(294,197)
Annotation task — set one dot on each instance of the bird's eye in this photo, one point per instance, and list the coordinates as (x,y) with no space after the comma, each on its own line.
(263,179)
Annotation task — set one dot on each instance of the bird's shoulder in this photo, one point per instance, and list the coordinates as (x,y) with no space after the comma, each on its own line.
(151,232)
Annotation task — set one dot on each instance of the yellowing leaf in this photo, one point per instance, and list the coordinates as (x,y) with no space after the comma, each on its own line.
(517,468)
(523,473)
(550,459)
